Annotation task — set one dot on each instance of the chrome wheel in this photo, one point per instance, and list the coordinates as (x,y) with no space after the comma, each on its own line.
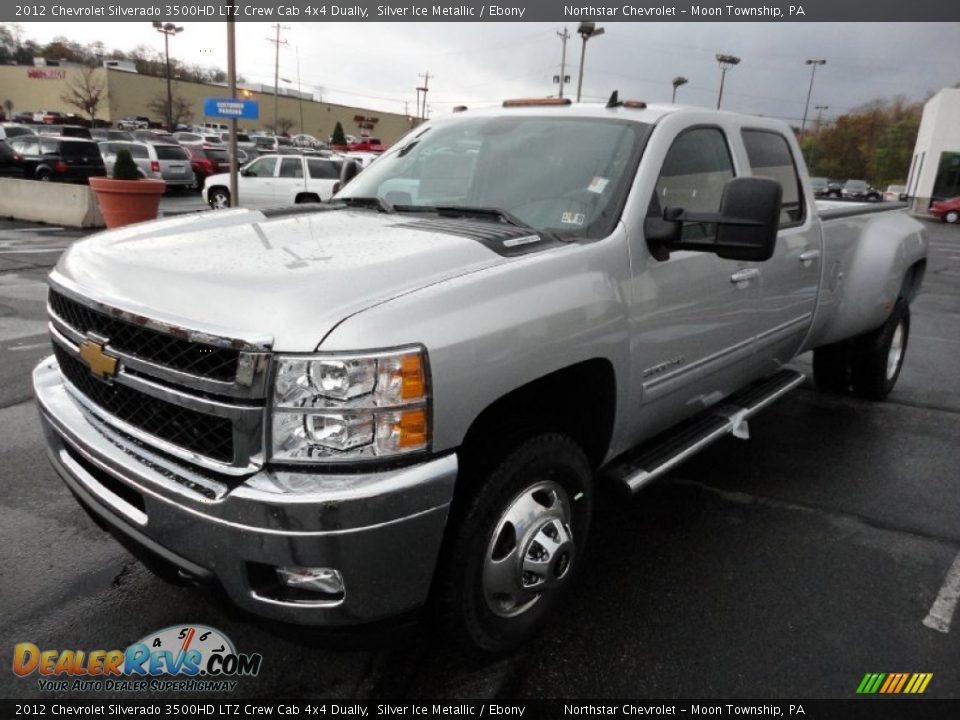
(895,354)
(951,217)
(531,551)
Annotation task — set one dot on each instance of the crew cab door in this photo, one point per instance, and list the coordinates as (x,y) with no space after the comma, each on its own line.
(694,316)
(256,183)
(790,279)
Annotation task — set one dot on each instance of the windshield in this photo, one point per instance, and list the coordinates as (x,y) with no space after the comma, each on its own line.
(564,175)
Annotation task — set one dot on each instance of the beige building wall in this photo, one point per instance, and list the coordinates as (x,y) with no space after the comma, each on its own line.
(31,89)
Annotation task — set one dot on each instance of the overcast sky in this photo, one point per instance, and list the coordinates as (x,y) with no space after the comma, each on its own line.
(376,65)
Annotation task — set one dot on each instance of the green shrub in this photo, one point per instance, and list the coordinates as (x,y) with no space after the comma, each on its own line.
(338,137)
(125,168)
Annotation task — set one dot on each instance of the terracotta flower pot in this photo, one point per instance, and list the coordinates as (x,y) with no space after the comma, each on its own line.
(124,202)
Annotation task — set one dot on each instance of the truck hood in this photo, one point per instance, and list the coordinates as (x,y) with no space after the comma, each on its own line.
(242,274)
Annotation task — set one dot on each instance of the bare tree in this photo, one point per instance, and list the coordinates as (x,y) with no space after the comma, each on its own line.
(181,113)
(85,92)
(284,126)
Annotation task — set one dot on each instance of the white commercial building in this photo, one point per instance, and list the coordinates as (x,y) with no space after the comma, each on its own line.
(935,169)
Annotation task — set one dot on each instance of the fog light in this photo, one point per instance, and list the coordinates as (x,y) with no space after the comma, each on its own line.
(320,580)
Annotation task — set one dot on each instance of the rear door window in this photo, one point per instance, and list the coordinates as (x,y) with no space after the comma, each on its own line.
(139,151)
(769,155)
(79,149)
(291,168)
(323,169)
(168,152)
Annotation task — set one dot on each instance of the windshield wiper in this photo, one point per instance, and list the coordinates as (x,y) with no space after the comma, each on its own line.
(375,202)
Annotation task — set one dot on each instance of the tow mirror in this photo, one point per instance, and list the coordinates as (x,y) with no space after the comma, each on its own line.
(350,169)
(747,223)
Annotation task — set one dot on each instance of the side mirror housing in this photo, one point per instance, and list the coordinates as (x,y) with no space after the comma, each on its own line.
(747,223)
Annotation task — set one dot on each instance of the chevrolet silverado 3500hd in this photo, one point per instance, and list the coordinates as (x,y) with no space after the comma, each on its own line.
(342,412)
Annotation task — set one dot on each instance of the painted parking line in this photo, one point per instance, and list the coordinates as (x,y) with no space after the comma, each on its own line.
(941,613)
(35,229)
(32,346)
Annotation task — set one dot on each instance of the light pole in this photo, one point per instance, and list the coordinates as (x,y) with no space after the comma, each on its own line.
(586,30)
(677,82)
(813,74)
(168,29)
(726,62)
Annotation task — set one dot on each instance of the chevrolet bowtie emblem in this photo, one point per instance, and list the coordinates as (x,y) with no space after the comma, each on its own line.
(102,365)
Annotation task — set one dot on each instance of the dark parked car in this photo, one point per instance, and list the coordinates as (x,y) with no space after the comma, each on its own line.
(859,190)
(56,158)
(947,210)
(11,162)
(207,161)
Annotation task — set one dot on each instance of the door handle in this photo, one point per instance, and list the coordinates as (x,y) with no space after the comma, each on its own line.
(741,278)
(808,256)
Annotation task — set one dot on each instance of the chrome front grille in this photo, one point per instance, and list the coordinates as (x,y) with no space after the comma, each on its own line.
(192,395)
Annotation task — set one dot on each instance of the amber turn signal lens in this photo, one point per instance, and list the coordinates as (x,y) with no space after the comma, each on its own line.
(412,428)
(413,383)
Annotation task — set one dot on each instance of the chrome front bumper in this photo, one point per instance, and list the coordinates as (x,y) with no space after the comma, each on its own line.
(381,530)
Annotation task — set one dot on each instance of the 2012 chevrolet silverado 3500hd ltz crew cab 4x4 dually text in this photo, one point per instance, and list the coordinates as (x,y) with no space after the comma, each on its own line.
(343,412)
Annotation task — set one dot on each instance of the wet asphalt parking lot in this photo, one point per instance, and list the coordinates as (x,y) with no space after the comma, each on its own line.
(786,566)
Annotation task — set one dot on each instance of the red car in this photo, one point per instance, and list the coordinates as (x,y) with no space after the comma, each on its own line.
(947,210)
(369,144)
(207,161)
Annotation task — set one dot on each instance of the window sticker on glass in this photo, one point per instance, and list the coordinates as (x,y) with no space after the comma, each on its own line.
(598,184)
(569,218)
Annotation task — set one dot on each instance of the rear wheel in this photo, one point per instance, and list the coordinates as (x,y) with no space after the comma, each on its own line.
(952,217)
(44,175)
(879,357)
(517,545)
(219,198)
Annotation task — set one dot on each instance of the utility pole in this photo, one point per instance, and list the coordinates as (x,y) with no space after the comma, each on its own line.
(820,109)
(564,36)
(232,82)
(276,73)
(813,74)
(726,62)
(425,88)
(299,92)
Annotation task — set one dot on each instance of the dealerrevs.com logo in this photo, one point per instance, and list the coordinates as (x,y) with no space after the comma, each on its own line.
(180,658)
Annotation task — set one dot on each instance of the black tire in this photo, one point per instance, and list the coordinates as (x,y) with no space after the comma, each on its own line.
(218,198)
(879,355)
(44,175)
(951,217)
(831,367)
(537,465)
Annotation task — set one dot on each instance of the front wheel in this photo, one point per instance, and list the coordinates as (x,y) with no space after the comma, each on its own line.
(952,217)
(517,546)
(877,362)
(219,198)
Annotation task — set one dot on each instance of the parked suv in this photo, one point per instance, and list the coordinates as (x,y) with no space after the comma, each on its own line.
(12,130)
(859,190)
(206,161)
(56,158)
(273,180)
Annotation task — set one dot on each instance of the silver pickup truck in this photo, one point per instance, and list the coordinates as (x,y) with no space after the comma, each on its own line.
(340,413)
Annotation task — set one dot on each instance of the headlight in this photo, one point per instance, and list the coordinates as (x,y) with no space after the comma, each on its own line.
(332,408)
